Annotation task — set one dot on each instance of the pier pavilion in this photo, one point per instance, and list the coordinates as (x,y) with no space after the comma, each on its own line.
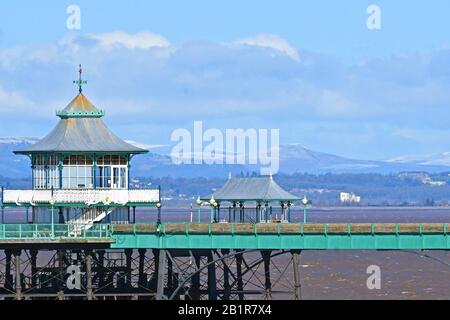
(257,195)
(80,172)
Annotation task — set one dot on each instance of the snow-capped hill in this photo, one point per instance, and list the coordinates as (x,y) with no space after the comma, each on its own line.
(293,158)
(18,140)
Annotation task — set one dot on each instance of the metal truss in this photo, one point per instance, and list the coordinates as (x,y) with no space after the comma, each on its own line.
(113,274)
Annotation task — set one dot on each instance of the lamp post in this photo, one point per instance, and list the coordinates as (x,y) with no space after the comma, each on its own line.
(213,204)
(158,206)
(289,211)
(305,204)
(199,203)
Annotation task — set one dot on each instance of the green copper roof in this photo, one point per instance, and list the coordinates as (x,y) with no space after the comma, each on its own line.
(80,107)
(260,189)
(81,129)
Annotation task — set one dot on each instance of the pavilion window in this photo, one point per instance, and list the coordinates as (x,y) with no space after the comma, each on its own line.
(52,172)
(112,172)
(39,172)
(77,172)
(45,171)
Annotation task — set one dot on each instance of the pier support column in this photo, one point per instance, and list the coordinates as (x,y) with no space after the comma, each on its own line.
(33,262)
(170,286)
(100,266)
(226,276)
(162,260)
(17,280)
(153,283)
(128,256)
(61,274)
(212,280)
(142,275)
(240,282)
(194,292)
(267,283)
(8,275)
(88,262)
(297,284)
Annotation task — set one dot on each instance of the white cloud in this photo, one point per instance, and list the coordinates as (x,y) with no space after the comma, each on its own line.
(228,83)
(13,102)
(335,103)
(140,40)
(273,42)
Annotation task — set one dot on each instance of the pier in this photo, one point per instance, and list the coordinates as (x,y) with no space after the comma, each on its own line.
(184,260)
(81,239)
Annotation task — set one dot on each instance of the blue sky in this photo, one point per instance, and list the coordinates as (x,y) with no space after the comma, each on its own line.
(310,68)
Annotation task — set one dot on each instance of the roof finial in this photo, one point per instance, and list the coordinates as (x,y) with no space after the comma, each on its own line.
(80,82)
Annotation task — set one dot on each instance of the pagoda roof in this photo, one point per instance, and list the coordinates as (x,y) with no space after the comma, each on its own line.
(80,106)
(260,189)
(81,129)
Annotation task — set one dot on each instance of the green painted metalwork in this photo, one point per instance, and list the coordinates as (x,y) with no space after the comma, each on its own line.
(53,232)
(80,81)
(180,236)
(322,240)
(92,114)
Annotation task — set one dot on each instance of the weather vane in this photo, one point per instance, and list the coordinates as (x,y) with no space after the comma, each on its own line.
(80,82)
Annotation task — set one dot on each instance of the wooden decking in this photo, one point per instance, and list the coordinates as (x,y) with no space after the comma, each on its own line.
(281,228)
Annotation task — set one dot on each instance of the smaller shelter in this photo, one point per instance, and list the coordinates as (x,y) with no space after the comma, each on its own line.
(251,200)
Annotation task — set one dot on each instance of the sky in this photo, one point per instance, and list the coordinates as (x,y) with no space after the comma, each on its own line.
(312,69)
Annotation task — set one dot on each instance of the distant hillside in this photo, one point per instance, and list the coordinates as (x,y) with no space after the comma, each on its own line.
(294,158)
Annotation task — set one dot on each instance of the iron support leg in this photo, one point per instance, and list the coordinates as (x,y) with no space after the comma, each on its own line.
(268,284)
(240,282)
(297,284)
(17,280)
(161,275)
(153,283)
(61,274)
(212,281)
(226,277)
(33,260)
(8,275)
(195,289)
(88,262)
(101,271)
(128,255)
(142,276)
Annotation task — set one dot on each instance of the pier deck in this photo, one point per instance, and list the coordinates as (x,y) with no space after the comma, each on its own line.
(328,236)
(264,236)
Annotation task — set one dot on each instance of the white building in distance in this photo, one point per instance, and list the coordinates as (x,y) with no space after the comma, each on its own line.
(347,197)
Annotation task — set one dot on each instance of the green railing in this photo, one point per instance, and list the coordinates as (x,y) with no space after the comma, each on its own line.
(55,231)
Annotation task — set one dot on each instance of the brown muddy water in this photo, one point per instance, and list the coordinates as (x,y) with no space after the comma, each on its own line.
(342,274)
